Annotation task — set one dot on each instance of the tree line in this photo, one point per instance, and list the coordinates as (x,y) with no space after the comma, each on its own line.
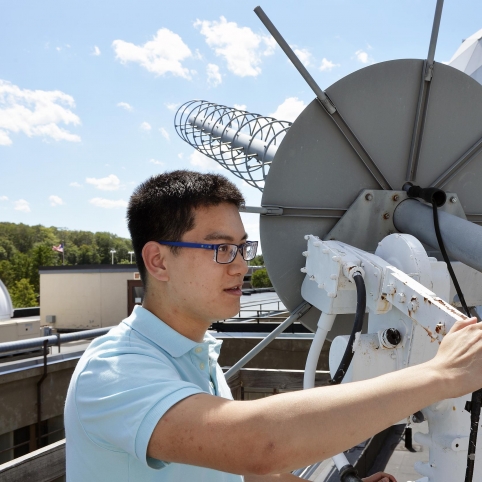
(23,249)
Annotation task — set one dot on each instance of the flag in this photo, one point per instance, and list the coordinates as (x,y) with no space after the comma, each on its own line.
(59,248)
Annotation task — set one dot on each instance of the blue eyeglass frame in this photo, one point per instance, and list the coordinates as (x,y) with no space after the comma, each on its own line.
(215,247)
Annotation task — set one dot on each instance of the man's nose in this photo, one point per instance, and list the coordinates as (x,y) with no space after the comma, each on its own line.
(239,265)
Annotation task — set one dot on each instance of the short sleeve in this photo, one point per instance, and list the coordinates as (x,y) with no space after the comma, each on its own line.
(121,397)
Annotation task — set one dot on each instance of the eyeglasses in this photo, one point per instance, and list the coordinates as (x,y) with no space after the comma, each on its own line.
(223,253)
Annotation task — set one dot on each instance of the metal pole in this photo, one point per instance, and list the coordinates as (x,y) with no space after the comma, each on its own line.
(326,103)
(423,97)
(435,29)
(297,313)
(39,394)
(295,60)
(52,340)
(461,237)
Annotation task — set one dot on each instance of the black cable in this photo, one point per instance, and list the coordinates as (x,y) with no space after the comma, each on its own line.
(447,260)
(348,473)
(475,405)
(361,301)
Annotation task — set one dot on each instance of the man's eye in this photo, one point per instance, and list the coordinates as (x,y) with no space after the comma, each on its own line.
(223,248)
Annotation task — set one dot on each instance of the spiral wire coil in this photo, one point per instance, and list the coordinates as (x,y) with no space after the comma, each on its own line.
(241,142)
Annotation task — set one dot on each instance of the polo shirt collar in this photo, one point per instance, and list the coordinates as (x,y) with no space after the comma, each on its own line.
(171,341)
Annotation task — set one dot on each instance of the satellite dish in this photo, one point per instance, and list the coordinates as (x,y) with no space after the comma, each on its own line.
(316,175)
(6,307)
(389,123)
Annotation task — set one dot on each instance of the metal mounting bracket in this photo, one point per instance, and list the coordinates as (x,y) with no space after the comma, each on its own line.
(373,210)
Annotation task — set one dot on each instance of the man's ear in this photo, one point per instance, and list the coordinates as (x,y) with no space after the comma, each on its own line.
(154,256)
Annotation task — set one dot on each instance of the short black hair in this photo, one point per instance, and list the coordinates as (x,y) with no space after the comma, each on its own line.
(163,206)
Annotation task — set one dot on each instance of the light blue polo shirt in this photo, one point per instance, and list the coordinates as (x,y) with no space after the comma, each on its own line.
(123,384)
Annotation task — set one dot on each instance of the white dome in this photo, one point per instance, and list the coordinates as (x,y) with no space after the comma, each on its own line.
(6,307)
(468,57)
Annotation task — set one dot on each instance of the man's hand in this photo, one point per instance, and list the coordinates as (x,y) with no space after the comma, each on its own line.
(459,358)
(380,477)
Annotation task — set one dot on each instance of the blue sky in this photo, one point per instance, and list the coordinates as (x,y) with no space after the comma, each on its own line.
(88,90)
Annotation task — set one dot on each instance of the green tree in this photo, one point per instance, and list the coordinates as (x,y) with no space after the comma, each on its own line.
(40,255)
(88,255)
(257,261)
(23,294)
(7,248)
(71,254)
(80,237)
(260,279)
(21,265)
(21,256)
(104,242)
(7,274)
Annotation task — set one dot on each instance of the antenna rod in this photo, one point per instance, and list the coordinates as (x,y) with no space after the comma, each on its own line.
(433,40)
(295,60)
(435,29)
(423,97)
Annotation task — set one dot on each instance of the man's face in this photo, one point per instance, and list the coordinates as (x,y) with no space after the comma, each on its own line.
(199,288)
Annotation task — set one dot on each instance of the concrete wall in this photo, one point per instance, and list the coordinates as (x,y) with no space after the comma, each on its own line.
(280,354)
(84,300)
(18,394)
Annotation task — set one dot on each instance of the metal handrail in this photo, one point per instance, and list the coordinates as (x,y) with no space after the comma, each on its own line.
(52,340)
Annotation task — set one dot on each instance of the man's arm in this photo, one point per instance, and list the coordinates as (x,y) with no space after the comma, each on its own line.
(379,477)
(278,434)
(272,478)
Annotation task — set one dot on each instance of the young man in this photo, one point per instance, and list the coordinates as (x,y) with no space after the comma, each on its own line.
(148,401)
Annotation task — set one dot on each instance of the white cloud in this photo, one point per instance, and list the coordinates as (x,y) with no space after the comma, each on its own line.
(240,106)
(158,163)
(22,205)
(241,48)
(96,51)
(172,106)
(125,106)
(145,126)
(164,133)
(109,183)
(214,76)
(362,56)
(180,155)
(161,55)
(75,184)
(55,200)
(304,55)
(4,139)
(3,198)
(203,163)
(108,203)
(35,113)
(327,65)
(289,110)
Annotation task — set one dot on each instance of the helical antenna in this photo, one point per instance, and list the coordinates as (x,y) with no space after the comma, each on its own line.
(241,142)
